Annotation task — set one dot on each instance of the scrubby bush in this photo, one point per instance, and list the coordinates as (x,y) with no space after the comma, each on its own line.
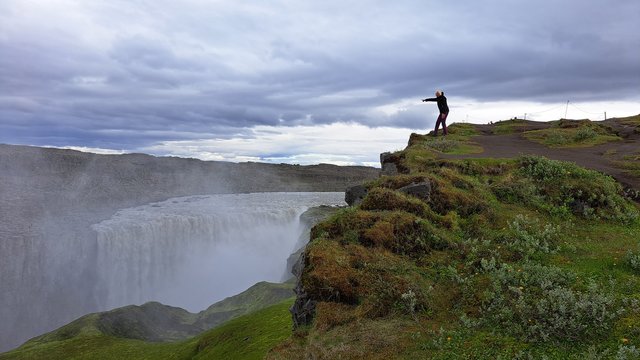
(556,139)
(516,190)
(632,259)
(545,170)
(564,314)
(410,301)
(443,145)
(627,352)
(528,237)
(584,133)
(539,304)
(566,187)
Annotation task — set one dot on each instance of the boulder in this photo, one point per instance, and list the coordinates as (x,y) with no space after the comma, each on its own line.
(389,169)
(355,194)
(420,190)
(390,164)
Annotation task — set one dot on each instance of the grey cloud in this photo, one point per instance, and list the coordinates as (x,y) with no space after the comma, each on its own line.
(169,71)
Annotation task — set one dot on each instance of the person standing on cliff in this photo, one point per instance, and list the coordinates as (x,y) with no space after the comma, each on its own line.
(444,111)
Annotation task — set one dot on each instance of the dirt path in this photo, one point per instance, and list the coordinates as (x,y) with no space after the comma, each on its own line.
(513,145)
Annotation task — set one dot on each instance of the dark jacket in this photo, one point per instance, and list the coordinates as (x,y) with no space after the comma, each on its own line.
(442,103)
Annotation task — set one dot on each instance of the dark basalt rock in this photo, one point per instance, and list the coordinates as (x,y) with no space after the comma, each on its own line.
(355,194)
(388,164)
(420,190)
(391,164)
(303,309)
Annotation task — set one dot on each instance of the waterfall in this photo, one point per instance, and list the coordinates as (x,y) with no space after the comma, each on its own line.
(193,251)
(188,252)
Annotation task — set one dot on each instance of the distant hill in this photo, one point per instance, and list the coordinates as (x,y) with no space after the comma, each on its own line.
(143,332)
(155,322)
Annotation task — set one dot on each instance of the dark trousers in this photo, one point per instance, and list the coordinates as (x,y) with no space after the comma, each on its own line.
(442,119)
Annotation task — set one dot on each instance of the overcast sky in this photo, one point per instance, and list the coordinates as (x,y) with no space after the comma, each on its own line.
(302,81)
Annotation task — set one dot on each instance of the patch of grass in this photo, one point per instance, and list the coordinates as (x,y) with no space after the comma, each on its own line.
(247,337)
(630,163)
(567,133)
(631,121)
(462,130)
(457,142)
(506,127)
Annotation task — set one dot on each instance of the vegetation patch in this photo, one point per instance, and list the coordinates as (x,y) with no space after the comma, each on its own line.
(504,259)
(458,141)
(630,163)
(506,127)
(573,133)
(247,337)
(632,121)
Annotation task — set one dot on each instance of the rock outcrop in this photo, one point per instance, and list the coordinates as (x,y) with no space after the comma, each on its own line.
(355,194)
(420,190)
(304,308)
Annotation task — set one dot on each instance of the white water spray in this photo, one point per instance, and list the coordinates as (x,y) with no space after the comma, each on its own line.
(193,251)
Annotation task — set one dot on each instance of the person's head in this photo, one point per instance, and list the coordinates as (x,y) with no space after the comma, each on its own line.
(438,93)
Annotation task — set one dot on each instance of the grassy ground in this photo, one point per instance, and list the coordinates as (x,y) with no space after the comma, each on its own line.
(511,126)
(247,337)
(630,163)
(523,258)
(632,121)
(458,141)
(567,133)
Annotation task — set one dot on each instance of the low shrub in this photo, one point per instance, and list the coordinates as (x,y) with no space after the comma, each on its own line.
(443,145)
(567,188)
(514,190)
(584,133)
(545,170)
(556,139)
(632,259)
(539,304)
(627,352)
(527,237)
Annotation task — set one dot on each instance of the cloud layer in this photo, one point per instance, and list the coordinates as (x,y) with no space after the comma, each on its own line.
(137,74)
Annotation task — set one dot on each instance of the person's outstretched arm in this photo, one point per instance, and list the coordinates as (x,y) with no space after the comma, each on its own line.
(430,99)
